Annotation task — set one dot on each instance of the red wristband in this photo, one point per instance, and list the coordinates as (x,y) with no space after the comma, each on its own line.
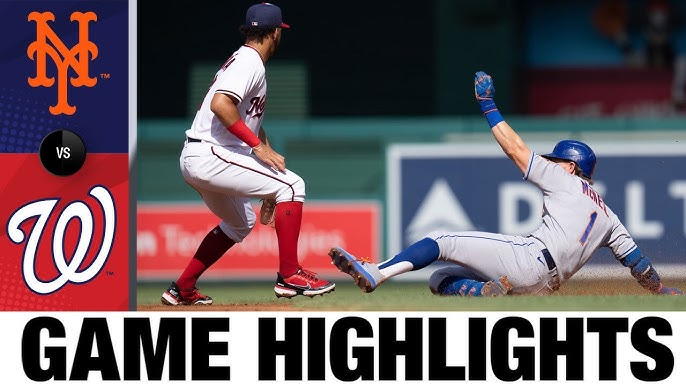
(243,132)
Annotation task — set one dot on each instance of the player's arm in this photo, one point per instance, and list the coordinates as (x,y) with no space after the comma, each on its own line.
(511,143)
(225,109)
(262,135)
(645,273)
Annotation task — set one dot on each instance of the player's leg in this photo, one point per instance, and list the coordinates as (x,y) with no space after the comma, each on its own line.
(238,219)
(368,275)
(459,281)
(197,165)
(253,178)
(184,290)
(292,279)
(426,251)
(365,273)
(491,256)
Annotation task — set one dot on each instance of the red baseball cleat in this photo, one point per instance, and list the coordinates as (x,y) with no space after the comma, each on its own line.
(174,296)
(302,282)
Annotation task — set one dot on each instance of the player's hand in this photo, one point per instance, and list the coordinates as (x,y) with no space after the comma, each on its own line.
(669,291)
(483,86)
(267,155)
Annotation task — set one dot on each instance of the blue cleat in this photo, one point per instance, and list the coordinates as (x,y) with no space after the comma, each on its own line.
(365,273)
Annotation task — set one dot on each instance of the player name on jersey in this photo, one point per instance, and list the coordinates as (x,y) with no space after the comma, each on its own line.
(586,188)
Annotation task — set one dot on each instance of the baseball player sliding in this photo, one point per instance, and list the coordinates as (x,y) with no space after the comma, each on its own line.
(228,160)
(576,223)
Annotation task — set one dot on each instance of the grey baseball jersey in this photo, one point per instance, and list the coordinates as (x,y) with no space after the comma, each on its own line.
(576,220)
(576,223)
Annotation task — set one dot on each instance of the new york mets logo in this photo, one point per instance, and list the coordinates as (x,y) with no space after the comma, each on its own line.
(69,270)
(76,58)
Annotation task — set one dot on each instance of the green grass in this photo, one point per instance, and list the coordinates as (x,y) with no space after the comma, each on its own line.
(410,296)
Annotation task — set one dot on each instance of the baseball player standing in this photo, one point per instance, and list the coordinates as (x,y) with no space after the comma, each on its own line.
(228,160)
(576,223)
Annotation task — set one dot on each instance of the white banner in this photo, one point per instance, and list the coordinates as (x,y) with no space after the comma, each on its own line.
(253,348)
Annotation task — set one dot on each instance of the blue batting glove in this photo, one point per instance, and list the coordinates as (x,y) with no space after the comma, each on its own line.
(483,86)
(669,291)
(484,92)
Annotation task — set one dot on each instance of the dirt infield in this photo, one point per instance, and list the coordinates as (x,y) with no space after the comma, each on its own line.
(416,296)
(237,307)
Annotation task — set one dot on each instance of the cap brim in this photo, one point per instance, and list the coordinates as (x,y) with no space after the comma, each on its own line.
(552,157)
(284,25)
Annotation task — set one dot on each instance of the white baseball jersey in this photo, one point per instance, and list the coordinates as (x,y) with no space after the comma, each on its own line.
(221,167)
(576,220)
(243,77)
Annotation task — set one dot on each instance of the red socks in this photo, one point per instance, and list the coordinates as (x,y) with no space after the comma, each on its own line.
(287,219)
(213,246)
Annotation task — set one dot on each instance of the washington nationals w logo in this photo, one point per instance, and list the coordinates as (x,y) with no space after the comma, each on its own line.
(76,58)
(70,270)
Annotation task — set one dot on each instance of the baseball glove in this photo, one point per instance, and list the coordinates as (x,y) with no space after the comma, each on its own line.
(267,212)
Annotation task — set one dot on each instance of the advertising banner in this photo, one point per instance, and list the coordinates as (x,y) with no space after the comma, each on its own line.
(168,235)
(461,187)
(600,92)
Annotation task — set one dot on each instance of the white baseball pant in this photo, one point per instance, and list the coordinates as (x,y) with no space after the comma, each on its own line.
(228,178)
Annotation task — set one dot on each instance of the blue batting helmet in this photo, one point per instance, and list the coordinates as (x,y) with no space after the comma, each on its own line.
(576,151)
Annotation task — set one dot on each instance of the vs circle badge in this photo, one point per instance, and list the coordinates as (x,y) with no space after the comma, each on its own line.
(62,153)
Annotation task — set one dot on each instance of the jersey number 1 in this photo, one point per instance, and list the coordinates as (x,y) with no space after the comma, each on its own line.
(591,221)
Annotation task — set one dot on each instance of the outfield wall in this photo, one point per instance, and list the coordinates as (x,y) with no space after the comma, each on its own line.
(346,159)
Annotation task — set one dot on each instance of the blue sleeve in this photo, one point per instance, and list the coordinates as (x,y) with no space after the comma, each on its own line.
(642,270)
(632,258)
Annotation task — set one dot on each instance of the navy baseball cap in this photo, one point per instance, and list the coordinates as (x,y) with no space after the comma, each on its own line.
(264,15)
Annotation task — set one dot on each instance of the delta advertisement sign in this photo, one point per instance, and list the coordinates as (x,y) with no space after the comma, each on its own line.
(461,187)
(168,235)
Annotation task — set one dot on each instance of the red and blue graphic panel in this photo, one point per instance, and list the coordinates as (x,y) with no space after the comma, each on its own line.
(64,190)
